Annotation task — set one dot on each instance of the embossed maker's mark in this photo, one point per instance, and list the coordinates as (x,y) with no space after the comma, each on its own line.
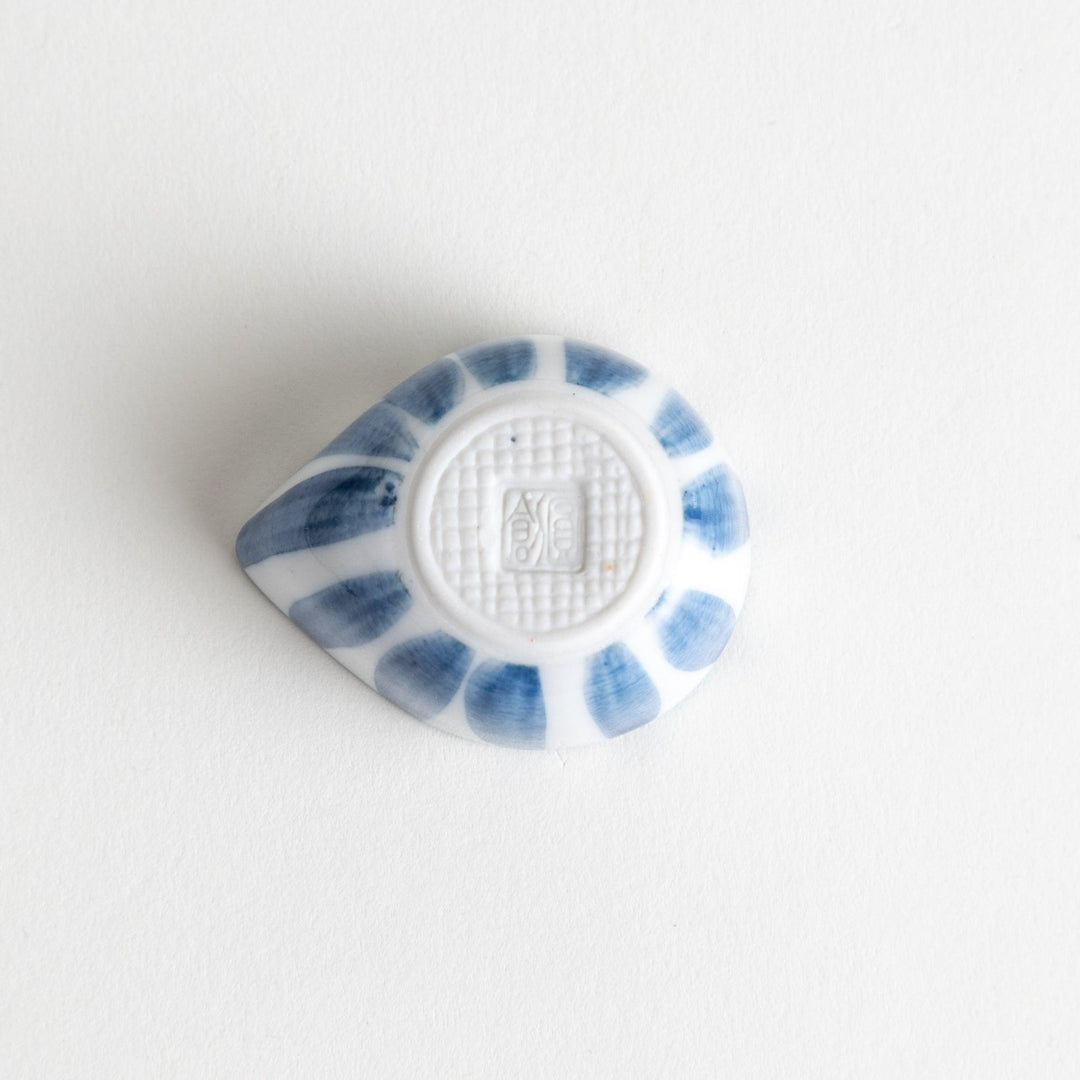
(543,528)
(532,591)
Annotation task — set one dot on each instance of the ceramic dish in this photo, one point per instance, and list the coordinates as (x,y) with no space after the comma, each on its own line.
(532,542)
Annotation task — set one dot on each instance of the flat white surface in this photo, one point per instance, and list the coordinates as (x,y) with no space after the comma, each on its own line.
(849,232)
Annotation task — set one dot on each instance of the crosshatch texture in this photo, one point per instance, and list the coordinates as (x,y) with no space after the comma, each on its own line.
(474,526)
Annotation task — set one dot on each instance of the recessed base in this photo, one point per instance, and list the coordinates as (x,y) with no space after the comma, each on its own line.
(542,519)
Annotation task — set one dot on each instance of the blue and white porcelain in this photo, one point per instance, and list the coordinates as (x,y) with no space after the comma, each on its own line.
(532,542)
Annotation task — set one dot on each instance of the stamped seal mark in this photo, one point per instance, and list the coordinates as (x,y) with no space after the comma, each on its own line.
(543,528)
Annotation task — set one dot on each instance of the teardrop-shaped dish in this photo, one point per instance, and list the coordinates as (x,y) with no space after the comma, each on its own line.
(531,542)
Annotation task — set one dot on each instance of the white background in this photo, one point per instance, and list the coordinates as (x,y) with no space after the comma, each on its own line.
(850,232)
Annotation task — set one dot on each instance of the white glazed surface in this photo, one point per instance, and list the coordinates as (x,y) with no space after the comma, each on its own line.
(537,522)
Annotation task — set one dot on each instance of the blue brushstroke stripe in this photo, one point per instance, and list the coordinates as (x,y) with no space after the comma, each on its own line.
(354,611)
(600,369)
(504,704)
(714,511)
(381,431)
(695,633)
(618,691)
(335,505)
(680,430)
(500,361)
(423,674)
(432,392)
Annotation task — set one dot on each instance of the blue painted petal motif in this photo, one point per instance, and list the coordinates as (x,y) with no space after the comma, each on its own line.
(504,704)
(618,691)
(680,430)
(381,431)
(422,675)
(432,392)
(695,633)
(335,505)
(600,369)
(714,511)
(352,612)
(501,361)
